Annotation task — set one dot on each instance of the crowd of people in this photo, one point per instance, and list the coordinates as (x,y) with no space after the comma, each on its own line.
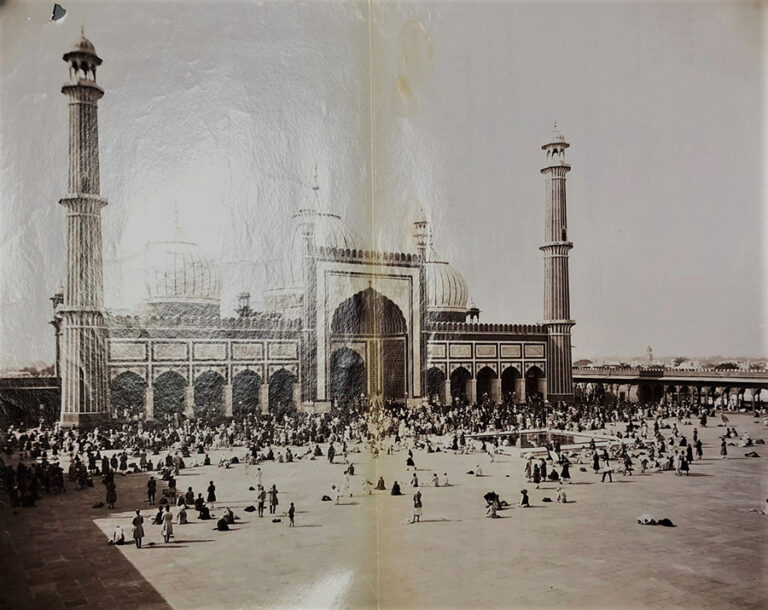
(646,437)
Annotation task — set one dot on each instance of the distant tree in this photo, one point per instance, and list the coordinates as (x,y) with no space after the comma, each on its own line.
(582,362)
(757,366)
(727,366)
(48,371)
(679,360)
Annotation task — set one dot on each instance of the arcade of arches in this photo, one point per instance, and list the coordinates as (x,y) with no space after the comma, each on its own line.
(486,384)
(669,393)
(208,396)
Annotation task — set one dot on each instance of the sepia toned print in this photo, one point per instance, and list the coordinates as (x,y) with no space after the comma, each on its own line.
(309,345)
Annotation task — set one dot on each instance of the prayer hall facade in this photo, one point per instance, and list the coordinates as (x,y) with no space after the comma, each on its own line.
(339,321)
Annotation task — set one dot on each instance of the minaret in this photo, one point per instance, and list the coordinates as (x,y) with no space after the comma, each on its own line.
(84,338)
(557,308)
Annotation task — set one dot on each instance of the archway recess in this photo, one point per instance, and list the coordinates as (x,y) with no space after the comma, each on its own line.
(168,393)
(126,392)
(245,393)
(348,375)
(209,395)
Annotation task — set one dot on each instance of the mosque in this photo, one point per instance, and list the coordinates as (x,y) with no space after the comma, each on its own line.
(340,320)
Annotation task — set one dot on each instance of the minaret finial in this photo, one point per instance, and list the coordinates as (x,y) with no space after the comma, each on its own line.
(176,223)
(316,186)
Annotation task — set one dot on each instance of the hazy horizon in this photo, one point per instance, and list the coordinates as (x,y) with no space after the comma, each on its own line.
(223,111)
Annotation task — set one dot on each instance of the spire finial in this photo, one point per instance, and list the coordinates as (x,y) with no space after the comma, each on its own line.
(555,125)
(176,223)
(316,186)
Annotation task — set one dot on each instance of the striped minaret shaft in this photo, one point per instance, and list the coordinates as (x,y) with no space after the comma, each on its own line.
(557,307)
(84,391)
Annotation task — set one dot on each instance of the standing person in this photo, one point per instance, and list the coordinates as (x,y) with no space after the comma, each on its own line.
(167,523)
(565,473)
(259,475)
(331,453)
(273,499)
(138,528)
(262,500)
(417,506)
(111,493)
(291,513)
(607,470)
(536,475)
(211,499)
(595,461)
(151,490)
(699,450)
(723,449)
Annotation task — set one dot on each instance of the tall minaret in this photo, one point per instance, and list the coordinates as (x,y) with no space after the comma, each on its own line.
(83,334)
(557,308)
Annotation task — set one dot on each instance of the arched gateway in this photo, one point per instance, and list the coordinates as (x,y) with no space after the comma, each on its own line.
(377,327)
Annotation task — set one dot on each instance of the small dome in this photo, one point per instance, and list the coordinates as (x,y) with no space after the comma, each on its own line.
(85,45)
(178,273)
(446,288)
(81,48)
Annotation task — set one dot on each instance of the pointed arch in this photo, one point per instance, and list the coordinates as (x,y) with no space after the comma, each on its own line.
(209,394)
(126,392)
(459,377)
(245,393)
(169,389)
(368,313)
(484,378)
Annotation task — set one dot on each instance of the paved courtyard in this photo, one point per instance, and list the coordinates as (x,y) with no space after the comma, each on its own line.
(589,552)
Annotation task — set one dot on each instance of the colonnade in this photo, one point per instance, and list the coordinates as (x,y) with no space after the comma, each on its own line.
(674,393)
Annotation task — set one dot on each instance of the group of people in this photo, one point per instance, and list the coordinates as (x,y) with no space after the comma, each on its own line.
(650,439)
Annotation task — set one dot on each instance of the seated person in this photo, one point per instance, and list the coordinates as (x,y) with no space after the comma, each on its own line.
(205,513)
(118,536)
(229,516)
(207,460)
(199,502)
(181,517)
(380,484)
(396,489)
(221,525)
(561,496)
(524,498)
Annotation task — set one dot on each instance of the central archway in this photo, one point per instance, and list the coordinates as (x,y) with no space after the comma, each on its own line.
(368,313)
(348,376)
(370,317)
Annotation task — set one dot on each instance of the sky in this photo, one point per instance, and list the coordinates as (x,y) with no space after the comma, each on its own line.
(219,111)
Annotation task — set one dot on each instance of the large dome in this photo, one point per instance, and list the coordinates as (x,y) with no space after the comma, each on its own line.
(328,230)
(446,289)
(177,272)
